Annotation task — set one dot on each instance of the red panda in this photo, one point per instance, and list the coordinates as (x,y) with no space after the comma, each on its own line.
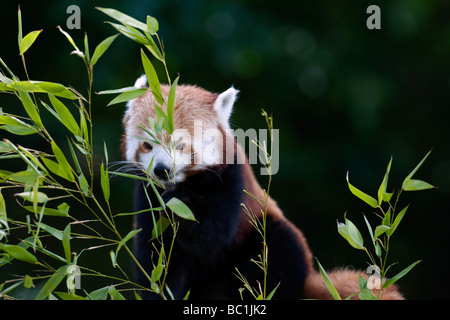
(208,253)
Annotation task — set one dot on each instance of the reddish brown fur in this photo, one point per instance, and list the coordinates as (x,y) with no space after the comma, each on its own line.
(346,283)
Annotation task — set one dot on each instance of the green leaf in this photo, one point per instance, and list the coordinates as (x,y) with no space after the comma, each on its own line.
(47,211)
(101,49)
(418,166)
(69,38)
(126,89)
(112,255)
(84,185)
(30,195)
(18,253)
(131,33)
(130,235)
(28,282)
(416,185)
(383,186)
(30,107)
(379,230)
(158,270)
(354,232)
(123,18)
(387,218)
(20,130)
(28,41)
(160,226)
(56,89)
(152,78)
(114,294)
(52,283)
(369,227)
(19,23)
(152,25)
(65,170)
(65,116)
(128,95)
(400,275)
(334,293)
(69,296)
(170,105)
(58,234)
(151,46)
(180,209)
(351,234)
(104,180)
(66,243)
(397,221)
(3,215)
(99,294)
(361,195)
(130,176)
(364,291)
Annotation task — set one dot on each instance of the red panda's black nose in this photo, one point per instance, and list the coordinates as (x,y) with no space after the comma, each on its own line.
(161,171)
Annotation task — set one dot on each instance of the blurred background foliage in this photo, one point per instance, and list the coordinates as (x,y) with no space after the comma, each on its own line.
(344,98)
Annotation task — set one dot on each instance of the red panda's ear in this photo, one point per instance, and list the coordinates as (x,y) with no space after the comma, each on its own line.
(224,105)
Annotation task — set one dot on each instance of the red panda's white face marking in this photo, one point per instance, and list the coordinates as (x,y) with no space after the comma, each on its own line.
(200,120)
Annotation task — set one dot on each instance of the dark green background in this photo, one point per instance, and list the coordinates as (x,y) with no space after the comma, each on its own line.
(345,98)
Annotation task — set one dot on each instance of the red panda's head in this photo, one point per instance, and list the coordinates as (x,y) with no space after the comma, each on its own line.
(199,140)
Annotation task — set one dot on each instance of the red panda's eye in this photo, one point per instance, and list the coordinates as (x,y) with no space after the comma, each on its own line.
(180,147)
(147,146)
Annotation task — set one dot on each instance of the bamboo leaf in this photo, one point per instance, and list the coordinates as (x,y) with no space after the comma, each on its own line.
(348,232)
(152,25)
(131,33)
(361,195)
(123,18)
(20,130)
(158,270)
(19,23)
(3,215)
(180,209)
(379,230)
(66,243)
(30,195)
(28,41)
(64,166)
(334,293)
(128,95)
(400,275)
(69,38)
(114,294)
(417,167)
(369,227)
(65,116)
(18,253)
(52,283)
(30,107)
(101,49)
(130,235)
(104,180)
(152,78)
(397,221)
(170,105)
(416,185)
(383,186)
(58,234)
